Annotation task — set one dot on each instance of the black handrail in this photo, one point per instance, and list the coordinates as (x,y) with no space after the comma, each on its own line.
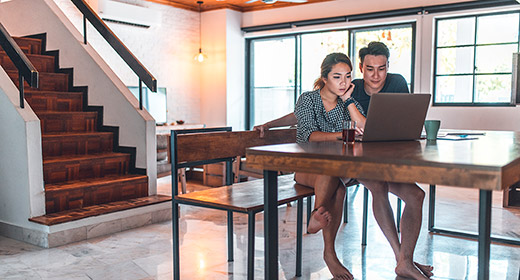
(25,68)
(117,45)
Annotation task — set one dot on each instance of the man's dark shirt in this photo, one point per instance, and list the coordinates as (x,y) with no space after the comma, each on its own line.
(393,83)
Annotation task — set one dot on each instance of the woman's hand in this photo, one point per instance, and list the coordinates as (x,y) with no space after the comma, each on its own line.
(359,130)
(348,92)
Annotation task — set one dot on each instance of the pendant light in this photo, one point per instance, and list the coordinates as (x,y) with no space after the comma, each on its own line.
(200,56)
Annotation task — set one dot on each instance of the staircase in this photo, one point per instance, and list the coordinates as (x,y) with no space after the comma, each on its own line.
(86,173)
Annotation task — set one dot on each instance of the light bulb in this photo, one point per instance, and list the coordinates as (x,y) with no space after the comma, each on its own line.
(200,56)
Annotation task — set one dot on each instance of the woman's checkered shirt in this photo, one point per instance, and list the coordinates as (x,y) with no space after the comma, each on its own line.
(312,116)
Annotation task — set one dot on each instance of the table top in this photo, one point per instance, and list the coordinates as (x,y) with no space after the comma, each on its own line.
(492,161)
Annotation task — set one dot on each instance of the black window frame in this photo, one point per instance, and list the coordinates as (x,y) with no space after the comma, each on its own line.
(513,101)
(249,103)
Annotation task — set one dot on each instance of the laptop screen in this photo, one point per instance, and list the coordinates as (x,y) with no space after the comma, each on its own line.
(395,116)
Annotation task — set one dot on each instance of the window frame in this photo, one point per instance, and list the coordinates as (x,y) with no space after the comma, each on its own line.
(249,52)
(513,100)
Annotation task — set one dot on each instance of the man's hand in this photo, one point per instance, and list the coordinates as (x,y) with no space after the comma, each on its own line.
(262,128)
(348,93)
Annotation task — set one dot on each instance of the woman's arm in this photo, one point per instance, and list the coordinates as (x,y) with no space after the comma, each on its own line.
(317,136)
(287,120)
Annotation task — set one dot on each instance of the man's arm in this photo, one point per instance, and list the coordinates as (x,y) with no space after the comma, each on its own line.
(287,120)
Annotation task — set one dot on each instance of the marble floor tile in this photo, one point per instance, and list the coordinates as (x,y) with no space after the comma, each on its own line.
(146,252)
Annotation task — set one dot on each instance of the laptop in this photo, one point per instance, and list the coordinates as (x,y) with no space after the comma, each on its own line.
(395,117)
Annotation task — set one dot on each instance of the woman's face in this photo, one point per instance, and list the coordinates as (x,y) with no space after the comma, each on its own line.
(339,78)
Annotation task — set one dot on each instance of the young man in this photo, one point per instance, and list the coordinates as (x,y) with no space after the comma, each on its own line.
(376,79)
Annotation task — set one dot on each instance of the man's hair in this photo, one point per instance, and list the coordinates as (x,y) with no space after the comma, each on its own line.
(374,48)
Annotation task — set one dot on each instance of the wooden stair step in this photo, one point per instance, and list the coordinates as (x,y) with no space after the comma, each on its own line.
(77,194)
(64,144)
(43,63)
(61,101)
(52,122)
(28,45)
(47,81)
(95,210)
(79,167)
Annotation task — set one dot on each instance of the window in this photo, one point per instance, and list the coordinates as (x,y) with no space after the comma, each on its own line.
(473,59)
(153,102)
(281,68)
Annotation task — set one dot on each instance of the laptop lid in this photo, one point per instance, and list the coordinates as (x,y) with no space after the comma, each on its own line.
(395,116)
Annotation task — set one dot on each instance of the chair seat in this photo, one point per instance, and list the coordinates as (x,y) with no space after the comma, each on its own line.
(246,196)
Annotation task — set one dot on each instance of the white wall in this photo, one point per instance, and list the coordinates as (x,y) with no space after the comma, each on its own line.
(21,168)
(166,49)
(235,66)
(493,118)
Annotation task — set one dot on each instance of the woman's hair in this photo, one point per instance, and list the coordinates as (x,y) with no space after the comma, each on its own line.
(327,64)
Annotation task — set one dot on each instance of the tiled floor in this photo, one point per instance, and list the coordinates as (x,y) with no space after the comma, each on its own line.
(145,253)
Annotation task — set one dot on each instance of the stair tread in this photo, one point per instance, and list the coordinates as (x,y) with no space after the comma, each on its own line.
(66,112)
(40,73)
(74,134)
(32,91)
(96,210)
(32,55)
(92,182)
(56,159)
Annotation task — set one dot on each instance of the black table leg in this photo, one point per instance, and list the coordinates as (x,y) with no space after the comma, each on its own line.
(484,232)
(271,224)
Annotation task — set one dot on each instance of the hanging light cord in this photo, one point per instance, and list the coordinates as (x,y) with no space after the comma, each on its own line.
(200,26)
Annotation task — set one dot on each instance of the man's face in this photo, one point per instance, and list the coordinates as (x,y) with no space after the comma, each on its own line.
(374,69)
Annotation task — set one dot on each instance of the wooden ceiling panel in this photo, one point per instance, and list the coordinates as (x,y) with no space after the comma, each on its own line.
(237,5)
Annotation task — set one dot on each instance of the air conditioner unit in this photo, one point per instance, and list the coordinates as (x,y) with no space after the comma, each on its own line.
(124,13)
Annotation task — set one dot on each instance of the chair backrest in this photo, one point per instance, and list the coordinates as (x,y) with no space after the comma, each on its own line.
(210,145)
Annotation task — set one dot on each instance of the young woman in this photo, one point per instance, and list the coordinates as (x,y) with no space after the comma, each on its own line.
(320,114)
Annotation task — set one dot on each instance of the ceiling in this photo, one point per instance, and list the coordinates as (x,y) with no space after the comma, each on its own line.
(237,5)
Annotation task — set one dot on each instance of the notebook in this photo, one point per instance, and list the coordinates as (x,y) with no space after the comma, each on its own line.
(395,117)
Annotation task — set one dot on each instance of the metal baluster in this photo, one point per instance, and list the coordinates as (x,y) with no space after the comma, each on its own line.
(140,95)
(84,29)
(22,98)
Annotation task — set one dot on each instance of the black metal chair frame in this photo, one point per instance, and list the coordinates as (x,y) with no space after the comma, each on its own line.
(251,214)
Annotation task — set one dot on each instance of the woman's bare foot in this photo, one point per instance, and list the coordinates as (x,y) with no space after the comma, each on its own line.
(336,268)
(409,270)
(320,218)
(426,269)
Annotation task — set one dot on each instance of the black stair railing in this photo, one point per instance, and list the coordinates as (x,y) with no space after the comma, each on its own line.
(26,71)
(118,46)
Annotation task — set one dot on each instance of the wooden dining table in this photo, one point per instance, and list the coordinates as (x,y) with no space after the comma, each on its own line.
(488,162)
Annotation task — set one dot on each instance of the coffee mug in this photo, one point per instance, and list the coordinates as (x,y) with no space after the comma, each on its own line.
(432,128)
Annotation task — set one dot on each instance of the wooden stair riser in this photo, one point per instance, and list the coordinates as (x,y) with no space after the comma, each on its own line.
(61,200)
(54,101)
(47,81)
(77,122)
(76,144)
(43,63)
(62,171)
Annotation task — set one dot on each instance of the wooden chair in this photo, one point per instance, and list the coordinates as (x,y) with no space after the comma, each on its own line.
(205,146)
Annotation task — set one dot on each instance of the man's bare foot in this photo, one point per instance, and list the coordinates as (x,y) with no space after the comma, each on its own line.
(426,269)
(409,270)
(336,268)
(320,218)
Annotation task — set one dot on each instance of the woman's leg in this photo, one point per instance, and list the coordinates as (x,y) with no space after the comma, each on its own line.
(324,189)
(330,195)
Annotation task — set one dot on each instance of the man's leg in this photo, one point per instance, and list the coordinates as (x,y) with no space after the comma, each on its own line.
(383,211)
(411,221)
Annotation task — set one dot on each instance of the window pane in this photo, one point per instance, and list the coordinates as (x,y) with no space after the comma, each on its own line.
(493,88)
(455,61)
(272,103)
(398,40)
(497,29)
(315,47)
(454,89)
(456,32)
(493,59)
(273,78)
